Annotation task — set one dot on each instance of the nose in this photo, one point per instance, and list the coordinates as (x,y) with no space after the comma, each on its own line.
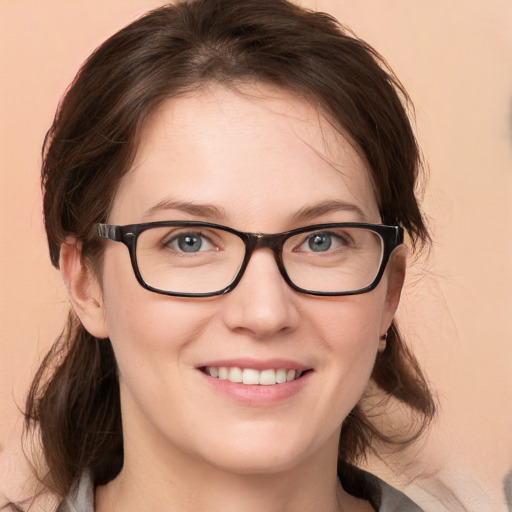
(262,304)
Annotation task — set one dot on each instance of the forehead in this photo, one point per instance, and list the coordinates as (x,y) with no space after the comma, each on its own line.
(247,151)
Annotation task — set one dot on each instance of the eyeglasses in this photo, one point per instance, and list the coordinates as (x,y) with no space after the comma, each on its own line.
(200,259)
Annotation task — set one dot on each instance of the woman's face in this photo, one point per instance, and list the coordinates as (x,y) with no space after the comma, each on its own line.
(259,160)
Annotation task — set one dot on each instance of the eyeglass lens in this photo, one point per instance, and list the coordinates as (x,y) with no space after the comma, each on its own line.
(198,259)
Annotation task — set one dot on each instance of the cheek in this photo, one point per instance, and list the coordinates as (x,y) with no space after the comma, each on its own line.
(351,325)
(146,325)
(151,335)
(350,333)
(143,325)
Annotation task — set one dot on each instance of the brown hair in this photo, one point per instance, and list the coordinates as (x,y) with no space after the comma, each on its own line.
(74,398)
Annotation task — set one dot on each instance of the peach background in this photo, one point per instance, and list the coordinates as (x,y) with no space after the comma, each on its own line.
(455,60)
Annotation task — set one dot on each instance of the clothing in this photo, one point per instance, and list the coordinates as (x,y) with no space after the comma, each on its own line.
(357,482)
(381,495)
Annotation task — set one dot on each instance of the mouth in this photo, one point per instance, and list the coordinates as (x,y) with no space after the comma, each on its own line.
(254,377)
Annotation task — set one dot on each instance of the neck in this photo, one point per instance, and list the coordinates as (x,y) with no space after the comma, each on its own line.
(188,485)
(215,494)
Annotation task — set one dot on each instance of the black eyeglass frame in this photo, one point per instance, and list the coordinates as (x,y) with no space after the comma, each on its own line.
(392,237)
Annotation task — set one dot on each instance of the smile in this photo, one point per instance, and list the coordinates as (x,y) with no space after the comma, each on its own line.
(251,376)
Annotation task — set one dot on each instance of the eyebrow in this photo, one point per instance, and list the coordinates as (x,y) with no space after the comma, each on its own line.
(316,210)
(200,210)
(211,211)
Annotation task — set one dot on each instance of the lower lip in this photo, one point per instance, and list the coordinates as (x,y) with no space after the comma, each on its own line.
(257,394)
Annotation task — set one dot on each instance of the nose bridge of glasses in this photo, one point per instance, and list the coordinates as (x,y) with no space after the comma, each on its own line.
(273,242)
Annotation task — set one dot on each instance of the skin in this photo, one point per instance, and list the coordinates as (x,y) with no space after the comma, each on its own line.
(259,155)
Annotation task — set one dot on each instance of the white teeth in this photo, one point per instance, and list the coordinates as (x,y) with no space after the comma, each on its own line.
(290,375)
(252,377)
(235,374)
(268,377)
(280,376)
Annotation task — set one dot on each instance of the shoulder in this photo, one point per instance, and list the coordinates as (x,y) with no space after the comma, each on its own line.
(395,501)
(382,496)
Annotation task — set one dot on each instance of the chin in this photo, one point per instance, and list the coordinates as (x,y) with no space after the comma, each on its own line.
(268,464)
(271,452)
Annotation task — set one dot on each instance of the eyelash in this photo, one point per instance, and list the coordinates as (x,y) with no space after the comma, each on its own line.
(175,237)
(341,241)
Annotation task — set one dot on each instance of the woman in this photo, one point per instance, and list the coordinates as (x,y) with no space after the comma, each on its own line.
(227,185)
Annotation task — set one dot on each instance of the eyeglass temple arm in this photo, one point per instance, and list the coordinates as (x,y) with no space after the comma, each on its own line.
(108,231)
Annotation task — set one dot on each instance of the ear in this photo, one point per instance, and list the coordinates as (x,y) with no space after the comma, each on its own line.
(83,288)
(395,281)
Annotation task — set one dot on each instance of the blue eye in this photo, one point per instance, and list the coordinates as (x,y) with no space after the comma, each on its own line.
(320,242)
(189,243)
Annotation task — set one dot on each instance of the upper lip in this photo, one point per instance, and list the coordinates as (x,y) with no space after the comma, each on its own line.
(256,364)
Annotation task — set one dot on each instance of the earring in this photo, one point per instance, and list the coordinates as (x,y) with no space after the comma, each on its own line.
(383,342)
